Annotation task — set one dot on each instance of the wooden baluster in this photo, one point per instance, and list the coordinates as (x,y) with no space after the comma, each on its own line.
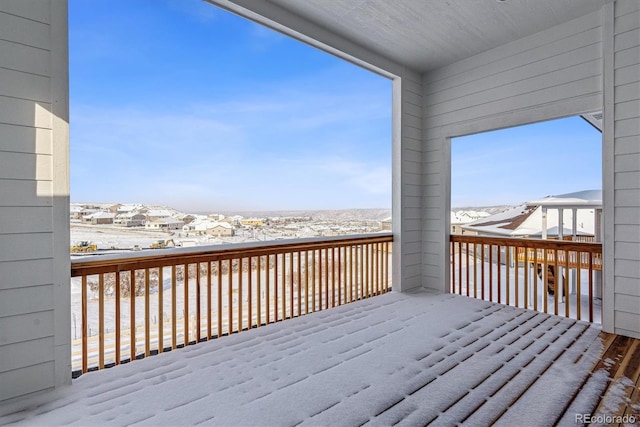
(556,291)
(353,272)
(299,277)
(591,286)
(460,285)
(535,281)
(516,286)
(275,288)
(491,273)
(313,279)
(268,289)
(339,274)
(117,314)
(198,302)
(174,308)
(101,321)
(482,270)
(259,291)
(250,295)
(85,326)
(230,295)
(291,294)
(565,283)
(132,317)
(240,304)
(283,285)
(160,309)
(467,269)
(186,304)
(508,273)
(209,298)
(306,282)
(219,301)
(578,287)
(526,277)
(475,271)
(147,315)
(376,261)
(498,249)
(326,278)
(367,278)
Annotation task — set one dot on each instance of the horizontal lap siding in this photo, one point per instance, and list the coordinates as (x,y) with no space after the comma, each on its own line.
(554,73)
(410,190)
(626,177)
(26,197)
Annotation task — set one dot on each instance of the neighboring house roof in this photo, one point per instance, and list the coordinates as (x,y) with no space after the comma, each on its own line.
(526,219)
(223,225)
(101,215)
(130,215)
(165,221)
(586,198)
(464,217)
(160,213)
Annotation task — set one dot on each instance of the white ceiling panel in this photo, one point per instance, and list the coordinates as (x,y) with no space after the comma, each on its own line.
(427,34)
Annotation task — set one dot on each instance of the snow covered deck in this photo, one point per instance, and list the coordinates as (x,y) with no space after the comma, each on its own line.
(397,358)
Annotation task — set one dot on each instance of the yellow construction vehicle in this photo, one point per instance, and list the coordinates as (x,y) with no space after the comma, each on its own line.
(83,247)
(161,244)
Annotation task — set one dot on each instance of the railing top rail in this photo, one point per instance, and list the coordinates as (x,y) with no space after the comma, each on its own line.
(96,264)
(528,243)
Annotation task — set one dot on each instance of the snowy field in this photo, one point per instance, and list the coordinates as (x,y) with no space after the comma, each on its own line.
(407,359)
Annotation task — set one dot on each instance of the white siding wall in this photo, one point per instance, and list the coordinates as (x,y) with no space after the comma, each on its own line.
(407,191)
(34,328)
(551,74)
(622,137)
(580,66)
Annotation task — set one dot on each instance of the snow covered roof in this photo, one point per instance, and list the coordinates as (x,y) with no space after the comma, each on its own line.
(463,217)
(129,214)
(100,215)
(160,213)
(221,224)
(439,361)
(586,198)
(168,220)
(526,220)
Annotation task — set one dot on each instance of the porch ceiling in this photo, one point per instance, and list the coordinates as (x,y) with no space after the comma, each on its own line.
(427,34)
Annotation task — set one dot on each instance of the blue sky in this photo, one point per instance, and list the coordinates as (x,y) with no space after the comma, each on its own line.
(515,165)
(182,104)
(179,103)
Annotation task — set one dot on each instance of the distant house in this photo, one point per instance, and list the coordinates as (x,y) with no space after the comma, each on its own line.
(199,226)
(221,229)
(462,217)
(99,218)
(164,224)
(252,222)
(130,219)
(159,213)
(386,224)
(128,208)
(75,211)
(187,219)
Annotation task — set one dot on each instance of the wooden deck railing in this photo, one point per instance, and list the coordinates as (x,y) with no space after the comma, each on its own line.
(553,276)
(154,301)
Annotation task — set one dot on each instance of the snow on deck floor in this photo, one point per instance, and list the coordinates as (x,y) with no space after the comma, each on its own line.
(411,359)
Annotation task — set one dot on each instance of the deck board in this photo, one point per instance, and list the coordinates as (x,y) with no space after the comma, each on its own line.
(621,361)
(393,359)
